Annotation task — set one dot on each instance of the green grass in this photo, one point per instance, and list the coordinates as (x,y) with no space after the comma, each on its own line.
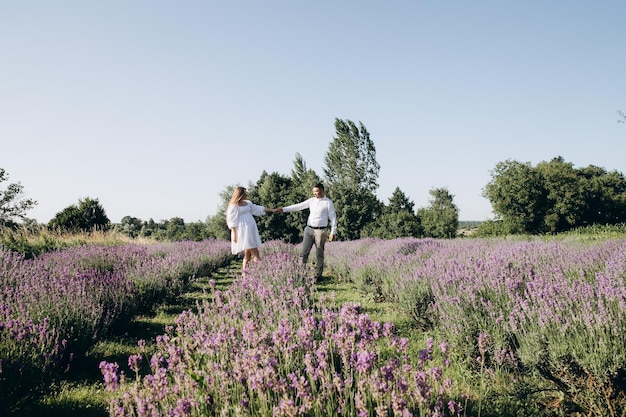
(86,398)
(382,311)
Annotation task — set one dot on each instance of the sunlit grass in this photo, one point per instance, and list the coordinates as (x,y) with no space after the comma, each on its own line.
(84,399)
(339,293)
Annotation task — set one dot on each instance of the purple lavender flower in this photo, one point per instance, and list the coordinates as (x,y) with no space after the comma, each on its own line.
(364,360)
(110,372)
(134,362)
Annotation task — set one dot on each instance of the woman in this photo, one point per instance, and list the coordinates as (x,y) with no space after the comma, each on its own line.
(244,234)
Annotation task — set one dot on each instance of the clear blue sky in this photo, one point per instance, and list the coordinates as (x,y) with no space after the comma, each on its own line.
(155,107)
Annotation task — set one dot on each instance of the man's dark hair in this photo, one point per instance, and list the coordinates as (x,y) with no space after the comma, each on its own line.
(319,185)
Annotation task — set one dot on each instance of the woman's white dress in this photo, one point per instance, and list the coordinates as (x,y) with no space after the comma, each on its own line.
(242,218)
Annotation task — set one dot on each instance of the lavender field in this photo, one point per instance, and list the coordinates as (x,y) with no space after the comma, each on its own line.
(56,306)
(497,327)
(271,346)
(550,315)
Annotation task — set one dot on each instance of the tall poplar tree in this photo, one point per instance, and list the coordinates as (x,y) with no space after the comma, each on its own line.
(351,158)
(351,173)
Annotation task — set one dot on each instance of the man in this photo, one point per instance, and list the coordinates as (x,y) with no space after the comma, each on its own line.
(321,213)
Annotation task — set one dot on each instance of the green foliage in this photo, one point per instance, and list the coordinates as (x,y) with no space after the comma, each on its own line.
(416,299)
(12,204)
(175,229)
(303,179)
(87,216)
(28,244)
(351,173)
(172,230)
(517,195)
(196,231)
(490,228)
(351,158)
(148,229)
(216,225)
(441,218)
(605,196)
(394,225)
(399,202)
(355,208)
(130,226)
(554,196)
(397,220)
(271,191)
(595,232)
(565,195)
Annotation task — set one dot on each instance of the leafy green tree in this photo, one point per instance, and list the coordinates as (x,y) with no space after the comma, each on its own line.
(351,158)
(13,205)
(397,220)
(491,228)
(518,197)
(565,199)
(605,196)
(32,226)
(175,229)
(351,173)
(441,218)
(88,216)
(196,231)
(271,191)
(394,225)
(399,202)
(159,232)
(148,228)
(555,197)
(355,210)
(217,226)
(303,179)
(130,226)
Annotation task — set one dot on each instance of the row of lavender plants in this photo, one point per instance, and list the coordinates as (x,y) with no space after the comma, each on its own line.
(552,314)
(59,304)
(269,345)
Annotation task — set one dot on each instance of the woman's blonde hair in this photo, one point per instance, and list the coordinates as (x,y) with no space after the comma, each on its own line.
(238,195)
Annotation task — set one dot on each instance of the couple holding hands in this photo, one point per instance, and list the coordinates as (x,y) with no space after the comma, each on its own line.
(244,234)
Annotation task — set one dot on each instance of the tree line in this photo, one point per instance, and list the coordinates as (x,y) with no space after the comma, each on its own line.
(553,197)
(550,197)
